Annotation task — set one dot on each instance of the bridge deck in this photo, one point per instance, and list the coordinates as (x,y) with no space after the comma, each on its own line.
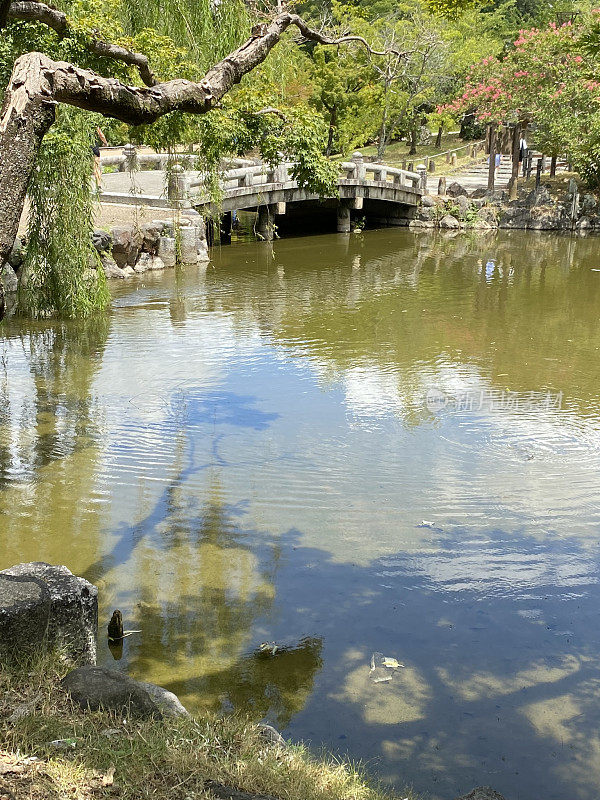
(387,194)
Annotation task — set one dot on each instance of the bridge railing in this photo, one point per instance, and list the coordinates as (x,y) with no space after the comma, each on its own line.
(357,169)
(130,159)
(187,189)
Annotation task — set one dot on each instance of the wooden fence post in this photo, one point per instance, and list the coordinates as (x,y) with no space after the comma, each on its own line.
(492,164)
(538,173)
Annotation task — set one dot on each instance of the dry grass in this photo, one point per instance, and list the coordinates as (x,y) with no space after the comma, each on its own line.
(126,758)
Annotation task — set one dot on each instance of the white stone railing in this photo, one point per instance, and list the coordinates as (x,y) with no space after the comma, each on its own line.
(185,186)
(130,159)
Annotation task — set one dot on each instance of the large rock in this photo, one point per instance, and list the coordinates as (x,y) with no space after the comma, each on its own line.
(155,263)
(168,703)
(102,241)
(24,616)
(151,232)
(427,201)
(127,243)
(463,203)
(482,793)
(167,250)
(515,217)
(73,615)
(188,242)
(538,197)
(488,215)
(109,265)
(449,222)
(102,689)
(142,264)
(456,190)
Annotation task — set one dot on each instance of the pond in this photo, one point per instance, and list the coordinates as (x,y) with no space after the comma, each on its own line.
(344,445)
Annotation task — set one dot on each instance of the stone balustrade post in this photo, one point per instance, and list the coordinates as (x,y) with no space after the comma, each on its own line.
(130,162)
(422,171)
(178,186)
(360,171)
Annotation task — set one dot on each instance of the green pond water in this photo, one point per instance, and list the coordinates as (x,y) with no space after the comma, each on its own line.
(346,445)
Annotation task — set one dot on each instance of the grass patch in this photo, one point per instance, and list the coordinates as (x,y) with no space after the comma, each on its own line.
(132,759)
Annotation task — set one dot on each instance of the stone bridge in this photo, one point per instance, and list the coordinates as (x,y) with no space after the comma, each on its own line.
(384,195)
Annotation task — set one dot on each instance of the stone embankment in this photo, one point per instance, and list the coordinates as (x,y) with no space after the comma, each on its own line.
(547,208)
(131,250)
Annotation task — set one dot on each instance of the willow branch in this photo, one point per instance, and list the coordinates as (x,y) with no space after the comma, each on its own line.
(31,11)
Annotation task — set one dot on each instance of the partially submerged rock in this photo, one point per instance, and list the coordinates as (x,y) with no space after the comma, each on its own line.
(449,222)
(271,735)
(72,614)
(102,689)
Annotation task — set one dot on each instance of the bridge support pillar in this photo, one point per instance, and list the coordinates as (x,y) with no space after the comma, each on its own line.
(343,217)
(264,223)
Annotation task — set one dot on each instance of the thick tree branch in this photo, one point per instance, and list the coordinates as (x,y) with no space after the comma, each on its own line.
(316,36)
(31,11)
(38,83)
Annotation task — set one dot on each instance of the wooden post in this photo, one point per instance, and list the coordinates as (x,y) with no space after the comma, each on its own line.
(514,179)
(431,165)
(529,163)
(492,164)
(442,186)
(454,159)
(538,173)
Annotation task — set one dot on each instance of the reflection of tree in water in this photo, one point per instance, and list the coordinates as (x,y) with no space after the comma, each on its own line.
(406,305)
(49,431)
(204,583)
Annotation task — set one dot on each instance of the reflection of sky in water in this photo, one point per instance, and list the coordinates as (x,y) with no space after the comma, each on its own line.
(247,456)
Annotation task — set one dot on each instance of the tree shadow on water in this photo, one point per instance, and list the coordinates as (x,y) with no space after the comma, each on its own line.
(499,645)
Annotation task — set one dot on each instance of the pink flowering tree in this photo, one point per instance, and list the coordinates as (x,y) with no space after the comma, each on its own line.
(550,80)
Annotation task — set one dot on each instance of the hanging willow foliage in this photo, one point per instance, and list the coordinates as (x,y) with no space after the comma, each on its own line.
(208,29)
(62,273)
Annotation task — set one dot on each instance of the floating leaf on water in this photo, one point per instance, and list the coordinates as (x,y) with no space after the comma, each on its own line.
(391,662)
